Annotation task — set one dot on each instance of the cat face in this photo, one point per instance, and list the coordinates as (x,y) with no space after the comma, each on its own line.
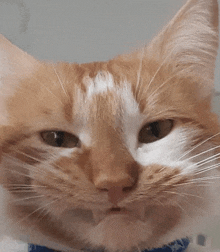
(118,154)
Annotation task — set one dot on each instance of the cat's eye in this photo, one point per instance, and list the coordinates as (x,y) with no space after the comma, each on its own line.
(60,139)
(154,131)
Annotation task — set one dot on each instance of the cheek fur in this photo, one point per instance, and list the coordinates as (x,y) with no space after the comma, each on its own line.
(168,152)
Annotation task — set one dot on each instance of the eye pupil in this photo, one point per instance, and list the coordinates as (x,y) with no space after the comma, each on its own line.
(60,139)
(155,131)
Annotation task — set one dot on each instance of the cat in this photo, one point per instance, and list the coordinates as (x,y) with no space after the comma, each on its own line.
(119,155)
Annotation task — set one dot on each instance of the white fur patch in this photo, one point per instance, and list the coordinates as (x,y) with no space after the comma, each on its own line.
(130,114)
(165,151)
(102,83)
(67,152)
(130,105)
(131,118)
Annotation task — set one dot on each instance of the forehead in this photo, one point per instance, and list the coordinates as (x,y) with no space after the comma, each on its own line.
(106,107)
(110,110)
(104,97)
(68,94)
(64,94)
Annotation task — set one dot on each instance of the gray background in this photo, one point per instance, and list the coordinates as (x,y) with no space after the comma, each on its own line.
(90,30)
(85,30)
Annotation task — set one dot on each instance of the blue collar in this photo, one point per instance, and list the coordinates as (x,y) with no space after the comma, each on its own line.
(176,246)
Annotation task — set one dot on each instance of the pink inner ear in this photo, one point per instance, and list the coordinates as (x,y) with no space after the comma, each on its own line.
(189,43)
(14,61)
(14,66)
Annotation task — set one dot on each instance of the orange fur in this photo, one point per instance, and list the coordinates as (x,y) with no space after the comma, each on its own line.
(110,190)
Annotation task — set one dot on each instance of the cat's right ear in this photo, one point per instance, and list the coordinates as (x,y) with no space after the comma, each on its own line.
(189,43)
(15,65)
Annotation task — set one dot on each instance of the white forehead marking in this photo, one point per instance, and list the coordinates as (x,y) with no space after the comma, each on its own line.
(130,105)
(131,117)
(129,108)
(102,83)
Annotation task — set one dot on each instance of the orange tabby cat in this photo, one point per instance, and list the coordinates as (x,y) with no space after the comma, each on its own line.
(121,155)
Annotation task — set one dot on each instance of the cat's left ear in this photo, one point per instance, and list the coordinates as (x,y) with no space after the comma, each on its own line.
(15,65)
(189,43)
(14,61)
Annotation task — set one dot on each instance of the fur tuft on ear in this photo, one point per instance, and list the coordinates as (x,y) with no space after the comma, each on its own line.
(14,66)
(189,43)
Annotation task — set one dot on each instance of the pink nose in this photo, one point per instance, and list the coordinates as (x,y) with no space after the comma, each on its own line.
(116,194)
(116,187)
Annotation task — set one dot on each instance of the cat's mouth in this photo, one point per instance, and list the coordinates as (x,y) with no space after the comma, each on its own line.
(119,211)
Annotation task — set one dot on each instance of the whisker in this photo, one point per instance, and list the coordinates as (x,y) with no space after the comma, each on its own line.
(140,66)
(34,168)
(155,91)
(139,73)
(22,163)
(40,213)
(184,194)
(206,140)
(26,155)
(162,84)
(207,160)
(17,172)
(42,207)
(22,174)
(25,165)
(204,162)
(25,174)
(206,178)
(177,204)
(212,167)
(30,189)
(194,206)
(159,68)
(20,191)
(62,86)
(201,153)
(25,186)
(202,183)
(57,99)
(28,198)
(158,201)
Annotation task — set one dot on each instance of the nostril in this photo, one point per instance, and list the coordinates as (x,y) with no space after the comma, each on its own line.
(115,209)
(103,189)
(127,189)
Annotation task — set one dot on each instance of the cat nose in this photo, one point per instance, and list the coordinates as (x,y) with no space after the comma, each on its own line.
(116,194)
(117,187)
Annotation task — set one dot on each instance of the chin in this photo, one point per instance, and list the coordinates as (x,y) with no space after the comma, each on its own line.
(124,231)
(118,232)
